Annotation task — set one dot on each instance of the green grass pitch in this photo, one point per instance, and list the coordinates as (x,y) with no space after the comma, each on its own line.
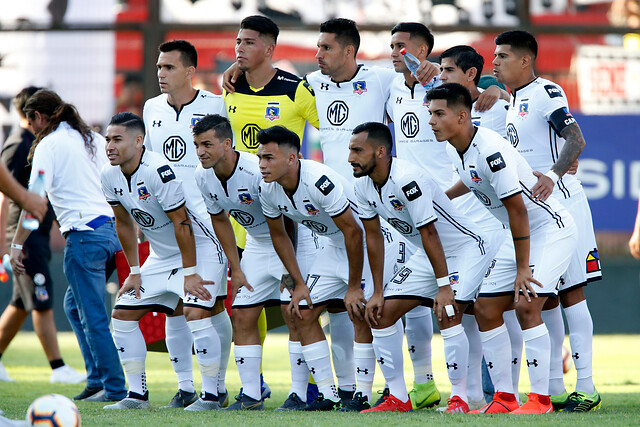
(616,374)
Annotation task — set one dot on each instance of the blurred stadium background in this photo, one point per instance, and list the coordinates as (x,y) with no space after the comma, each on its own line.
(100,55)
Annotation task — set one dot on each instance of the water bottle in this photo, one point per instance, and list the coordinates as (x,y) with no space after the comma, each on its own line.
(30,222)
(412,64)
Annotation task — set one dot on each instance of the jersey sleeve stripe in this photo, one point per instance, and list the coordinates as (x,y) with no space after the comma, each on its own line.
(176,208)
(341,212)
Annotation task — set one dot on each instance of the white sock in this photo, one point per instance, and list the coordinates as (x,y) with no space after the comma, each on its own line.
(207,345)
(248,362)
(537,348)
(555,325)
(494,344)
(179,344)
(342,338)
(299,371)
(581,338)
(387,343)
(319,362)
(474,371)
(456,355)
(419,331)
(133,352)
(515,337)
(222,323)
(365,359)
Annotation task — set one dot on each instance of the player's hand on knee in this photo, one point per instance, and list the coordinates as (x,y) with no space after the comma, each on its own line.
(543,188)
(195,286)
(444,304)
(238,280)
(374,308)
(355,303)
(523,282)
(133,281)
(300,292)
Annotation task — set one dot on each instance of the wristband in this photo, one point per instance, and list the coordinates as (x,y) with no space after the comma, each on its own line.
(553,176)
(16,246)
(443,281)
(188,271)
(134,269)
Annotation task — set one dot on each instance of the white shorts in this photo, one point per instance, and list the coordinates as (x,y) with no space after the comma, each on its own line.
(417,279)
(161,290)
(328,277)
(551,250)
(263,270)
(585,264)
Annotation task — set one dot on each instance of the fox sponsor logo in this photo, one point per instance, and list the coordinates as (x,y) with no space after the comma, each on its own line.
(412,191)
(496,162)
(553,91)
(325,185)
(166,174)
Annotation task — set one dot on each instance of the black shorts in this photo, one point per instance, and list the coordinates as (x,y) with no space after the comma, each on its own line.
(26,295)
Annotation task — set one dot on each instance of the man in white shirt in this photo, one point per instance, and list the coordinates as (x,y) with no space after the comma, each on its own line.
(543,235)
(316,196)
(142,189)
(452,255)
(229,181)
(542,129)
(168,119)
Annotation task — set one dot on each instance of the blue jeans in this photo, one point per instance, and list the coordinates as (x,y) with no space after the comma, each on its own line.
(89,259)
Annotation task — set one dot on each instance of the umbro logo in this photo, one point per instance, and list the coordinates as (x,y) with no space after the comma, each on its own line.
(534,363)
(240,361)
(174,359)
(399,100)
(232,108)
(372,204)
(453,365)
(312,370)
(203,351)
(299,362)
(515,361)
(121,349)
(118,191)
(381,361)
(365,371)
(324,86)
(157,123)
(283,208)
(490,365)
(412,349)
(575,355)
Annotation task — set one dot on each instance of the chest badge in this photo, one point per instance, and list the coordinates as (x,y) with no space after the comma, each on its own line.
(273,111)
(397,204)
(245,198)
(359,87)
(311,209)
(474,176)
(143,193)
(523,109)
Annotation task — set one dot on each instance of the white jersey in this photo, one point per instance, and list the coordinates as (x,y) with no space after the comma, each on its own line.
(169,132)
(343,106)
(410,200)
(493,170)
(536,111)
(72,177)
(322,194)
(494,118)
(414,138)
(152,190)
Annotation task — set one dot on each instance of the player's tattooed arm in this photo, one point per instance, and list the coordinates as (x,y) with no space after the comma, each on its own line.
(287,283)
(186,222)
(573,146)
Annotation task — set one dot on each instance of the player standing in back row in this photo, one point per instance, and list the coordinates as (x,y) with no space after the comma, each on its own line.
(542,129)
(168,120)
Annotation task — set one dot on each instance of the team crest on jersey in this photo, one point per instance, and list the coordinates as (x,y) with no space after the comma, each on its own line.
(593,261)
(454,279)
(195,119)
(143,193)
(311,209)
(523,109)
(474,176)
(245,198)
(273,111)
(425,101)
(397,204)
(359,87)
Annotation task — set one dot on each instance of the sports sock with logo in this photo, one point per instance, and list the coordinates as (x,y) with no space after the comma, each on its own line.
(342,338)
(515,337)
(474,371)
(555,325)
(319,362)
(456,355)
(207,346)
(537,349)
(248,362)
(179,342)
(365,359)
(133,352)
(494,345)
(387,343)
(581,339)
(419,332)
(299,370)
(222,323)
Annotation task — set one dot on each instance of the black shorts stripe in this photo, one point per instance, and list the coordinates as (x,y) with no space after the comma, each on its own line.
(210,235)
(554,215)
(158,308)
(440,211)
(427,302)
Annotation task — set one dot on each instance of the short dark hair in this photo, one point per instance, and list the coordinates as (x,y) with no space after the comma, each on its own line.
(281,136)
(261,24)
(415,29)
(519,40)
(346,32)
(377,133)
(455,94)
(129,121)
(465,57)
(20,100)
(220,126)
(188,53)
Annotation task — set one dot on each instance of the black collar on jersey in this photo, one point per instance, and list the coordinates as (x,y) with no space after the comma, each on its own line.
(379,187)
(348,80)
(282,83)
(183,105)
(290,196)
(412,88)
(521,87)
(223,182)
(128,177)
(462,153)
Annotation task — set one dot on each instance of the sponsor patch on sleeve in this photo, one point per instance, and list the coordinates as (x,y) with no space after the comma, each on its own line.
(325,185)
(166,174)
(496,162)
(553,91)
(412,191)
(308,86)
